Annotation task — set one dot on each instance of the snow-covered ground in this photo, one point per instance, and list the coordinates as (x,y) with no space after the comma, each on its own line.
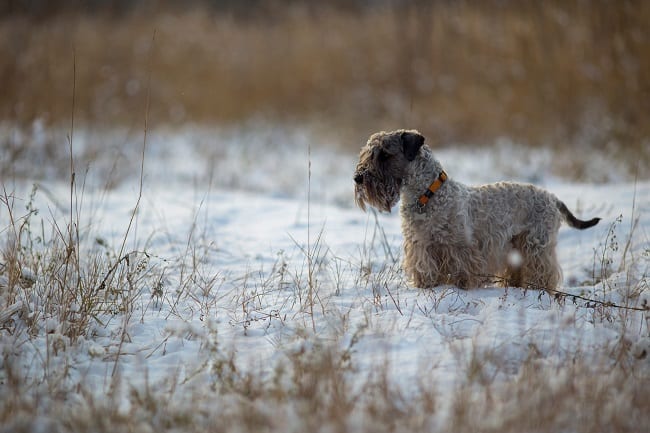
(246,253)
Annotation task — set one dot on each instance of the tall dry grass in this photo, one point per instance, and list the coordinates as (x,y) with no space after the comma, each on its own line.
(320,384)
(76,295)
(555,72)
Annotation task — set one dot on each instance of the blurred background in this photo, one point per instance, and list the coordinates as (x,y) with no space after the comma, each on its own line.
(558,73)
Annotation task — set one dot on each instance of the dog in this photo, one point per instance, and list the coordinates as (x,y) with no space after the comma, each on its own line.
(454,234)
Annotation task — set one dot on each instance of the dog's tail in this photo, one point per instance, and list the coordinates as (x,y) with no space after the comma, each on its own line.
(572,220)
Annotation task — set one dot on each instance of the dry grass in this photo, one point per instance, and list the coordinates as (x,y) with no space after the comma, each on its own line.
(313,392)
(69,286)
(318,387)
(552,73)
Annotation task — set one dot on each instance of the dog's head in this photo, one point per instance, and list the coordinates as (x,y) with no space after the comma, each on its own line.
(383,163)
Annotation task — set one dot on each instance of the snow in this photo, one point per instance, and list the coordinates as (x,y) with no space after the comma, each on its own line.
(237,226)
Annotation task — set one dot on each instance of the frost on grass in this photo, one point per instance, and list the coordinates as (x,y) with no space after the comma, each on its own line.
(220,313)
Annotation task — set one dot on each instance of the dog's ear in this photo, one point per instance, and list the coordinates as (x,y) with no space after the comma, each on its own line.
(412,141)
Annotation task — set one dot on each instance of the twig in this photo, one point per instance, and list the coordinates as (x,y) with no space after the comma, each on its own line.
(393,299)
(593,302)
(110,272)
(310,264)
(385,244)
(558,294)
(633,224)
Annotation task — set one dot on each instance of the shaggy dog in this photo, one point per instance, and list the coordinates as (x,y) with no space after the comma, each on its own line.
(467,236)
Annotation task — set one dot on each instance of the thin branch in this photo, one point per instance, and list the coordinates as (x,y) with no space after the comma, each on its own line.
(393,299)
(591,303)
(558,294)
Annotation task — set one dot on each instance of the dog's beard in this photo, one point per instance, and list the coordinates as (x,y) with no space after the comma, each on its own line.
(360,197)
(383,200)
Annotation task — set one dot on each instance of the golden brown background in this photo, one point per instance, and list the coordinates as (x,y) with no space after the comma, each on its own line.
(550,73)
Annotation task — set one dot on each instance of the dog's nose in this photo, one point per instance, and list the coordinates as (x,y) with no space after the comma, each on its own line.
(358,178)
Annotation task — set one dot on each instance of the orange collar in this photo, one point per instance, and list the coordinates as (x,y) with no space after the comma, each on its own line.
(424,198)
